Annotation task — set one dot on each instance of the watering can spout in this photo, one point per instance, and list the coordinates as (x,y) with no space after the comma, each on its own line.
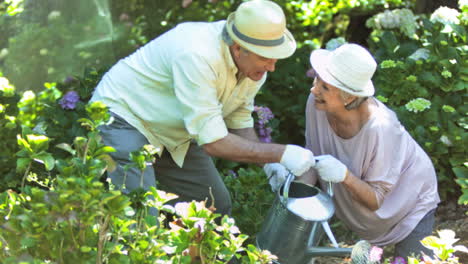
(328,251)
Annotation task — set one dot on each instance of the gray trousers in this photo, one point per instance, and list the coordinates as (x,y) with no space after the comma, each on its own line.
(411,245)
(191,182)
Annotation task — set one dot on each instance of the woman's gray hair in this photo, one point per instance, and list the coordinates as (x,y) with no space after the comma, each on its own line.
(355,103)
(227,39)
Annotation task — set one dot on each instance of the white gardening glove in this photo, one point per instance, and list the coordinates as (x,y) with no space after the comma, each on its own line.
(276,175)
(331,169)
(296,159)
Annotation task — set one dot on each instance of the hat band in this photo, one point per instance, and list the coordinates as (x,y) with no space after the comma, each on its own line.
(259,42)
(344,85)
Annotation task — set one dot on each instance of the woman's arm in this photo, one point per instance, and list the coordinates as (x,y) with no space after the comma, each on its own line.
(361,191)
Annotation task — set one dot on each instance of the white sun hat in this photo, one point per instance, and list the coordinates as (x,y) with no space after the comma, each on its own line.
(349,67)
(260,27)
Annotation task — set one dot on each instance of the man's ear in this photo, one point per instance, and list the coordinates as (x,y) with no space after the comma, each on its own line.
(235,50)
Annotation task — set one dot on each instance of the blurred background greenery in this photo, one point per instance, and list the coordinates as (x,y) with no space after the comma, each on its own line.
(420,46)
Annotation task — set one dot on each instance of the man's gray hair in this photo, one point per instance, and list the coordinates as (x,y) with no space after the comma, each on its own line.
(227,39)
(355,103)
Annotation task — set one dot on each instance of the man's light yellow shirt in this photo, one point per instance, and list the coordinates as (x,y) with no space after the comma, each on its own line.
(180,87)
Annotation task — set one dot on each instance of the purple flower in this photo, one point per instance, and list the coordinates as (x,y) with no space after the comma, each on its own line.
(69,100)
(232,173)
(399,260)
(264,115)
(69,80)
(375,254)
(311,73)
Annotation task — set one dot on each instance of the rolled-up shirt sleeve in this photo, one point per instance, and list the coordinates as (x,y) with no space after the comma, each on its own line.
(242,116)
(194,86)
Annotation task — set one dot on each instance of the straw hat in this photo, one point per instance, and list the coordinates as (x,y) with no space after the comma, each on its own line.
(349,67)
(260,27)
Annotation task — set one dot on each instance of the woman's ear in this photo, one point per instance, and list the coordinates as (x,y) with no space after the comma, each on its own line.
(349,100)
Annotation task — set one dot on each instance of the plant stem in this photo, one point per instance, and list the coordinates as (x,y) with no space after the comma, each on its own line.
(102,239)
(26,174)
(85,152)
(61,251)
(141,178)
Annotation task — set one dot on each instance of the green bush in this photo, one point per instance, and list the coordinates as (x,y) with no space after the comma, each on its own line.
(422,75)
(64,213)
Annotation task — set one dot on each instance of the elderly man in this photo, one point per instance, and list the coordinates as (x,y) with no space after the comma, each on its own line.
(190,92)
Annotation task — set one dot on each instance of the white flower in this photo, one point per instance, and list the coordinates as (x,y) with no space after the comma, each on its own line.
(3,53)
(418,105)
(53,15)
(462,3)
(420,54)
(389,19)
(402,19)
(444,139)
(445,15)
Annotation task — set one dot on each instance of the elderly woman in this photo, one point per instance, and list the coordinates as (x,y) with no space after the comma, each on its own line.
(385,184)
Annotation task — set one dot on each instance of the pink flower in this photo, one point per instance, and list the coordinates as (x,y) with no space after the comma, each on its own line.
(375,254)
(186,3)
(124,17)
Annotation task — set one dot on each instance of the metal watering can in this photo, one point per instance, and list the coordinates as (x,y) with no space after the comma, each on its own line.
(295,223)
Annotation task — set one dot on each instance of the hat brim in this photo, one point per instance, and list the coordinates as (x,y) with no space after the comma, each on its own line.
(320,59)
(284,50)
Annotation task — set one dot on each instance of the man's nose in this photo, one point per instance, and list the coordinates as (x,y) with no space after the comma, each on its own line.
(270,66)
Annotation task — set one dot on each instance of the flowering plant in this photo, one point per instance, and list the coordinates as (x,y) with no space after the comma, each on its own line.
(264,115)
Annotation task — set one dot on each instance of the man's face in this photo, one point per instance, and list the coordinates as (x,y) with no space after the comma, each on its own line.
(250,64)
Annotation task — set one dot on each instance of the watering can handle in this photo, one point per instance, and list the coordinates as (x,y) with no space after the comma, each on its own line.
(330,184)
(287,184)
(291,177)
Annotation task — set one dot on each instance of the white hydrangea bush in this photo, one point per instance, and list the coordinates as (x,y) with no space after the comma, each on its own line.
(402,19)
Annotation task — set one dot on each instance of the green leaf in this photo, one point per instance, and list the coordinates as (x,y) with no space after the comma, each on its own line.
(24,144)
(103,150)
(38,142)
(22,164)
(66,147)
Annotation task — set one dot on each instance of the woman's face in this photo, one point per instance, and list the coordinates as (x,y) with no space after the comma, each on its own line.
(327,97)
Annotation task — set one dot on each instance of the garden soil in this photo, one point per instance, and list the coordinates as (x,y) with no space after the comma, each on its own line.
(449,215)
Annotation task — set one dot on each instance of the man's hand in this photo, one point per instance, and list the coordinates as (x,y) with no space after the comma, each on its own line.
(276,175)
(330,169)
(296,159)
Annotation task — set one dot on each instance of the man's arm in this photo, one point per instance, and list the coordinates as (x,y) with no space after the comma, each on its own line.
(247,133)
(238,148)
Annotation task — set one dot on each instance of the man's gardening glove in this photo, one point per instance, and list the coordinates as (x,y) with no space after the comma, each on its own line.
(330,169)
(276,175)
(296,159)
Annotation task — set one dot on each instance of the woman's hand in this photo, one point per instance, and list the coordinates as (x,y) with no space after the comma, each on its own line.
(330,169)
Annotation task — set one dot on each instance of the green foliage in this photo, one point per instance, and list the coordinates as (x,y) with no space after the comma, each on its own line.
(10,128)
(41,115)
(443,247)
(424,80)
(251,198)
(71,217)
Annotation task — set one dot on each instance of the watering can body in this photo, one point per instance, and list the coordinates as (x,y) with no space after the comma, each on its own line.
(295,223)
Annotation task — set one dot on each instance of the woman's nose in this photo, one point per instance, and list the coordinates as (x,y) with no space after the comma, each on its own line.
(313,90)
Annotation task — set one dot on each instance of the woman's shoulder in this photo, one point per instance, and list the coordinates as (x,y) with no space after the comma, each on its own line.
(383,119)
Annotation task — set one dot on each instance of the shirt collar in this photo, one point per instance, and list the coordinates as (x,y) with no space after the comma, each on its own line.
(227,57)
